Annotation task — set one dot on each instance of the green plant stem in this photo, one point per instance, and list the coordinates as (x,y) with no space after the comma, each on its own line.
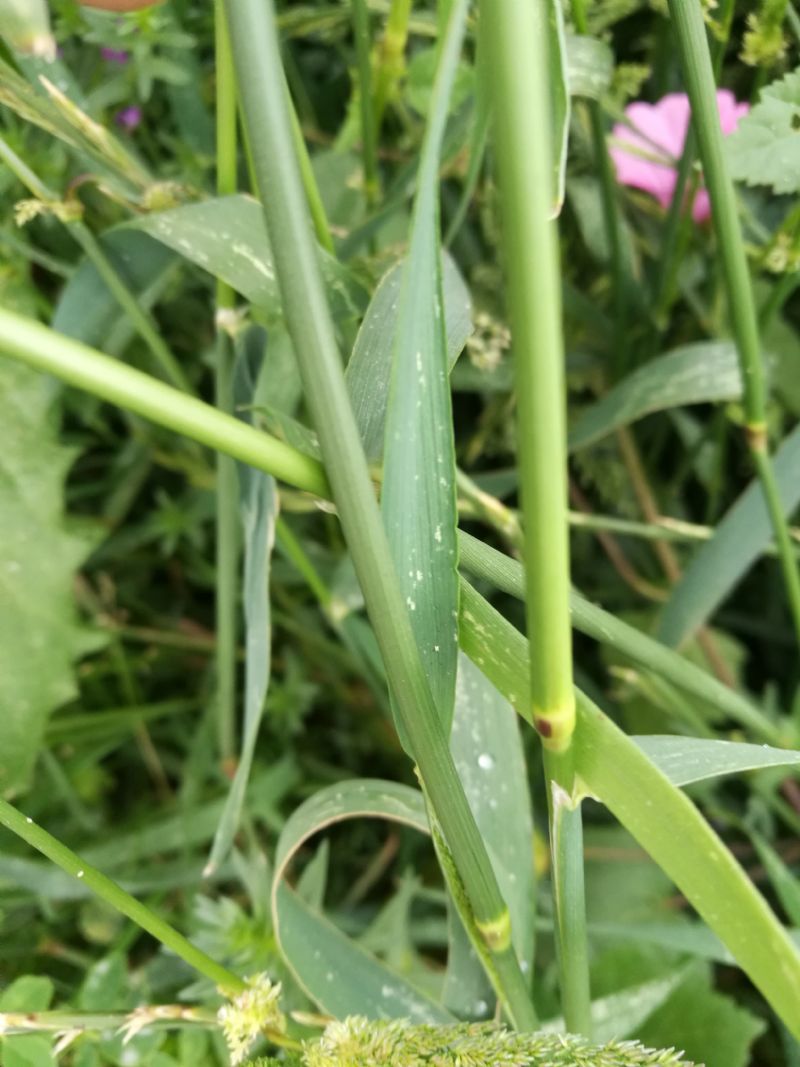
(227,510)
(517,54)
(390,57)
(369,146)
(44,349)
(506,574)
(141,320)
(81,366)
(699,73)
(260,79)
(63,1022)
(114,895)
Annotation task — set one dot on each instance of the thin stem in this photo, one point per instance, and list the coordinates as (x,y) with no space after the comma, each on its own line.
(518,55)
(227,516)
(390,57)
(79,1022)
(369,146)
(81,366)
(260,75)
(699,74)
(116,896)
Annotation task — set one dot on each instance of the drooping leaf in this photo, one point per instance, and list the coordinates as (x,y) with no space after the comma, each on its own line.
(227,237)
(683,844)
(336,973)
(738,541)
(692,374)
(692,759)
(369,370)
(418,499)
(259,509)
(765,149)
(40,636)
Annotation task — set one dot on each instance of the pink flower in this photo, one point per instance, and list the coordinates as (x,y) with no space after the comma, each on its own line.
(114,55)
(664,126)
(129,118)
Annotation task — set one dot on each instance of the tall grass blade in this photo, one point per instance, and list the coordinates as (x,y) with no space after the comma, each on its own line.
(739,540)
(418,498)
(259,510)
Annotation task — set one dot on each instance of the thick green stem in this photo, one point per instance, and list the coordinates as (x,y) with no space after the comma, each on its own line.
(227,519)
(257,59)
(116,896)
(699,73)
(517,54)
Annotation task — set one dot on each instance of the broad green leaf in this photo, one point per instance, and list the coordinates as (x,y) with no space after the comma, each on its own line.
(339,976)
(692,374)
(590,66)
(418,498)
(685,760)
(88,311)
(506,574)
(25,24)
(711,1028)
(39,632)
(487,749)
(227,237)
(28,993)
(620,1014)
(738,541)
(765,148)
(671,829)
(259,509)
(369,370)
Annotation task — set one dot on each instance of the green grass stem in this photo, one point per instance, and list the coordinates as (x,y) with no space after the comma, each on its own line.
(117,898)
(257,59)
(699,73)
(227,501)
(369,141)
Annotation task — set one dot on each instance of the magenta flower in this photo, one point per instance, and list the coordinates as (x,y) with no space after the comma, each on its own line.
(129,118)
(114,55)
(648,160)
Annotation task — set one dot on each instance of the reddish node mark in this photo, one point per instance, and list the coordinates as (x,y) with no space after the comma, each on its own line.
(544,727)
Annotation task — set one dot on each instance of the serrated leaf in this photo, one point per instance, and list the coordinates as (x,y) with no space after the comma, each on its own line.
(738,541)
(765,148)
(712,1029)
(590,66)
(691,374)
(40,635)
(418,499)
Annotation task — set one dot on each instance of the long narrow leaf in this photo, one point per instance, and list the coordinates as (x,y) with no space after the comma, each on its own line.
(419,497)
(739,540)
